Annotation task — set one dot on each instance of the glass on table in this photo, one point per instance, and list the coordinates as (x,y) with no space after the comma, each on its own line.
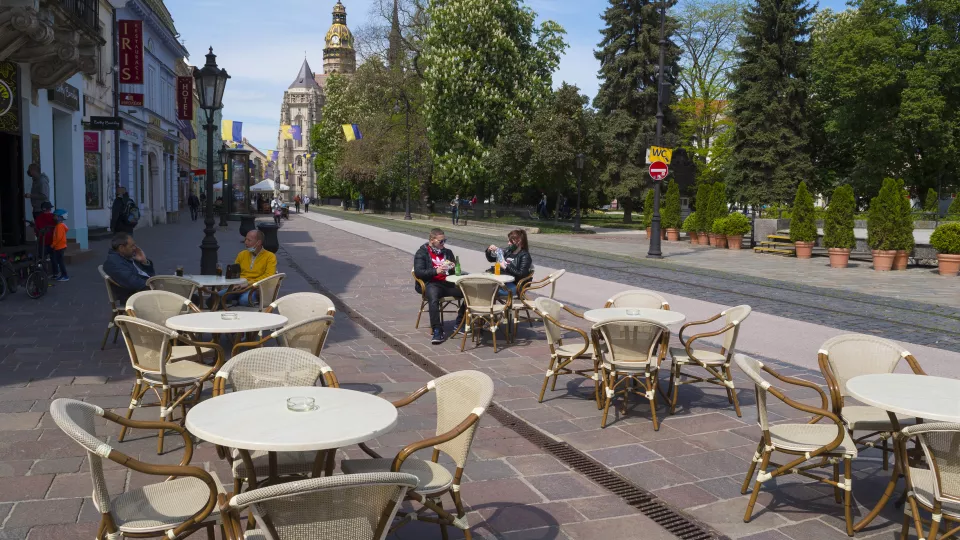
(179,270)
(301,404)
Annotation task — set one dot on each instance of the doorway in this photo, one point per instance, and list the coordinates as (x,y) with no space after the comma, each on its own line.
(12,228)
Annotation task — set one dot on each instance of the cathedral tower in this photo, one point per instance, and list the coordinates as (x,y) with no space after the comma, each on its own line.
(339,56)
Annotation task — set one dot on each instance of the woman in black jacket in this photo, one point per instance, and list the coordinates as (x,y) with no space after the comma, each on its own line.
(517,260)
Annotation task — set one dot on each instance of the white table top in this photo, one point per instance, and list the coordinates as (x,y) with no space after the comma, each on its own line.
(502,278)
(662,316)
(212,322)
(259,419)
(919,396)
(214,281)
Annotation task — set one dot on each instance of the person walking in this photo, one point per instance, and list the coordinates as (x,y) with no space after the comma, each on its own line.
(455,209)
(194,203)
(306,204)
(542,207)
(296,203)
(126,214)
(39,189)
(276,207)
(363,203)
(58,247)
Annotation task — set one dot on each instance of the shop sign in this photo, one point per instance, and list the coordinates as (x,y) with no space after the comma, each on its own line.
(91,141)
(130,36)
(65,95)
(9,110)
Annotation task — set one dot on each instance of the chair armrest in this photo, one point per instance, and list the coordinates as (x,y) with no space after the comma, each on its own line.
(423,287)
(236,292)
(688,345)
(836,396)
(583,333)
(221,354)
(432,441)
(250,344)
(914,364)
(806,384)
(411,398)
(230,516)
(697,323)
(156,424)
(369,451)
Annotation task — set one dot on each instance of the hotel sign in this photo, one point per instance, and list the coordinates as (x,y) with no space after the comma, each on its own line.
(130,38)
(185,98)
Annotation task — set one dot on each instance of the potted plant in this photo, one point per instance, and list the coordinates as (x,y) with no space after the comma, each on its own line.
(838,227)
(648,211)
(803,227)
(671,211)
(905,226)
(736,225)
(719,230)
(946,240)
(719,210)
(690,227)
(883,235)
(704,194)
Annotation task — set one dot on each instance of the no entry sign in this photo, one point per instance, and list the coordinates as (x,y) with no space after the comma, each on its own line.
(658,171)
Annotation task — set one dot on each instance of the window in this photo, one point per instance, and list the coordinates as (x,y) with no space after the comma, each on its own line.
(152,88)
(92,167)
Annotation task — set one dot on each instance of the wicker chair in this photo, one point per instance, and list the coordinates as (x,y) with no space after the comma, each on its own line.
(159,366)
(849,355)
(301,306)
(114,309)
(175,284)
(273,367)
(185,502)
(562,355)
(811,445)
(483,309)
(462,398)
(630,353)
(935,489)
(527,304)
(309,318)
(267,289)
(638,298)
(157,307)
(348,507)
(446,302)
(716,364)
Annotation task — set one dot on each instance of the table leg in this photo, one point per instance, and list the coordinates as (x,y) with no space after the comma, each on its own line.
(274,478)
(895,474)
(248,465)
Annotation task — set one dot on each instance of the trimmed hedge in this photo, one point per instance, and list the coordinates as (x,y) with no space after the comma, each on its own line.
(946,239)
(704,195)
(839,223)
(690,224)
(736,224)
(648,209)
(883,227)
(671,207)
(803,227)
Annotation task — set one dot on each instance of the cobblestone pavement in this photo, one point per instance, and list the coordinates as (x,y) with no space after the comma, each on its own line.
(721,276)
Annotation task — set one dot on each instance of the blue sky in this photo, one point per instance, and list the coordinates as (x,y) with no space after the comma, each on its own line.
(261,44)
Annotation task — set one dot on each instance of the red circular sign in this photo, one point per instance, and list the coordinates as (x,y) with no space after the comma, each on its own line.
(658,171)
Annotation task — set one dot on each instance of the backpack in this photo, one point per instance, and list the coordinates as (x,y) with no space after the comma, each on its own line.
(131,214)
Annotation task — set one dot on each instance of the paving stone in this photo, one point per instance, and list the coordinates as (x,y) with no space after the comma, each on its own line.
(617,528)
(656,474)
(558,487)
(56,466)
(80,485)
(489,470)
(685,496)
(55,512)
(59,532)
(15,468)
(23,488)
(536,465)
(530,516)
(623,455)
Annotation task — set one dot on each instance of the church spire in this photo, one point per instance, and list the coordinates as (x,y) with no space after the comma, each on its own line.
(393,54)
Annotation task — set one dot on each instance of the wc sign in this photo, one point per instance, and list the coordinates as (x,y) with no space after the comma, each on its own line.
(659,154)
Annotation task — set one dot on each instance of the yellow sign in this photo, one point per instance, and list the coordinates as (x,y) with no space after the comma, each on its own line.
(659,154)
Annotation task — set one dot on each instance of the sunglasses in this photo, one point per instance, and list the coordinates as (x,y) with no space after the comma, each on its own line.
(441,242)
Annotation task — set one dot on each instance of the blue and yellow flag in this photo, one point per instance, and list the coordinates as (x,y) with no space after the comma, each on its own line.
(232,131)
(289,132)
(352,132)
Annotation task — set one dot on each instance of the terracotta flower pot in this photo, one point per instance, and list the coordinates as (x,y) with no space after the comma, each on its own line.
(721,241)
(839,257)
(804,249)
(712,239)
(694,239)
(949,264)
(734,241)
(883,259)
(900,260)
(673,235)
(648,233)
(704,238)
(663,234)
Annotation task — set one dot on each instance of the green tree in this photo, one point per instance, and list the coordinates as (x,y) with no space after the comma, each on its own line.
(954,208)
(838,223)
(803,225)
(932,202)
(718,203)
(627,98)
(326,137)
(883,231)
(771,145)
(704,207)
(648,209)
(671,206)
(484,62)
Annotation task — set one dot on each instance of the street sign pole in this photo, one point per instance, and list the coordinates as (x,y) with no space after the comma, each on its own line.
(654,251)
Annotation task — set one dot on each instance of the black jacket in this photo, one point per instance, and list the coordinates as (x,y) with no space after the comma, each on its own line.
(123,271)
(423,265)
(519,263)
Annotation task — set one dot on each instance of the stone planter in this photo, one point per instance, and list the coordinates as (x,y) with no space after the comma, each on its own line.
(804,249)
(839,257)
(734,241)
(704,239)
(900,260)
(673,235)
(721,241)
(711,240)
(694,239)
(949,264)
(883,259)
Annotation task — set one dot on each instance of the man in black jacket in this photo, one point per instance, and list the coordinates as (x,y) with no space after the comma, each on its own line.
(431,264)
(127,265)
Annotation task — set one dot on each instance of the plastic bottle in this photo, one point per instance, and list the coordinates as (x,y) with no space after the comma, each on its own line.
(456,269)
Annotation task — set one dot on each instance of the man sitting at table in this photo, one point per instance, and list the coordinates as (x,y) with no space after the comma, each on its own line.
(431,264)
(128,266)
(256,264)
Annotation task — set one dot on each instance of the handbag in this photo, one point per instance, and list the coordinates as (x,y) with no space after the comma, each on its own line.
(233,271)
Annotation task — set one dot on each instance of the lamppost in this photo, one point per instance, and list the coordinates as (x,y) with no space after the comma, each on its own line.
(654,251)
(576,222)
(396,110)
(210,81)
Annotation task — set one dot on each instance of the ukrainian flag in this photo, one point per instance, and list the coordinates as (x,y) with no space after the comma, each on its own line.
(352,132)
(289,132)
(231,131)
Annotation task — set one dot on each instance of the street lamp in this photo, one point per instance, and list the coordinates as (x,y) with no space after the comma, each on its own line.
(654,251)
(576,222)
(210,81)
(396,110)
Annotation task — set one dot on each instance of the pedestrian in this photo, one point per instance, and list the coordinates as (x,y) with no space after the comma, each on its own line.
(296,202)
(473,201)
(126,213)
(276,208)
(455,209)
(362,203)
(542,207)
(194,203)
(203,203)
(58,247)
(306,205)
(44,224)
(39,189)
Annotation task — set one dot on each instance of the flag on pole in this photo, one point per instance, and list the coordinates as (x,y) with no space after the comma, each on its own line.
(232,131)
(271,155)
(352,132)
(289,132)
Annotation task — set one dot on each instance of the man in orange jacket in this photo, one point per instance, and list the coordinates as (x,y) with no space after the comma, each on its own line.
(58,246)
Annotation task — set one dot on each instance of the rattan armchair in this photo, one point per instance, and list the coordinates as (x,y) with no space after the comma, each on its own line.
(811,445)
(638,298)
(301,306)
(273,367)
(715,363)
(448,304)
(307,335)
(175,284)
(484,311)
(630,353)
(185,502)
(347,507)
(849,355)
(159,366)
(935,489)
(527,304)
(462,398)
(267,289)
(157,307)
(114,308)
(563,355)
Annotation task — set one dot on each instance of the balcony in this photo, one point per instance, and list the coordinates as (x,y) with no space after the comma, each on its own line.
(85,12)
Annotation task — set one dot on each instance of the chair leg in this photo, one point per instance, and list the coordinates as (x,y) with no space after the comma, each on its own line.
(494,334)
(652,389)
(608,399)
(116,333)
(886,453)
(444,534)
(419,315)
(134,400)
(674,387)
(756,488)
(467,320)
(906,527)
(836,478)
(848,494)
(460,512)
(732,391)
(106,334)
(751,470)
(546,378)
(164,400)
(210,534)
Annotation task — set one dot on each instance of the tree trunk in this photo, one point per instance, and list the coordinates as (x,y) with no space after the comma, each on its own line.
(556,214)
(627,204)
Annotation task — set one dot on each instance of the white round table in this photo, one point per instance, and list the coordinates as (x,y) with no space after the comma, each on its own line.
(214,281)
(918,396)
(502,278)
(213,322)
(662,316)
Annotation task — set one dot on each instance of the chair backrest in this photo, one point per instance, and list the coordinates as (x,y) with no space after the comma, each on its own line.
(734,316)
(345,507)
(175,284)
(479,292)
(78,420)
(458,395)
(307,335)
(157,306)
(636,341)
(638,298)
(941,446)
(753,368)
(850,355)
(552,279)
(269,289)
(302,306)
(552,309)
(111,285)
(149,344)
(272,367)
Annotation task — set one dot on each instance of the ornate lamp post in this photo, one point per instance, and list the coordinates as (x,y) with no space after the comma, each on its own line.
(654,251)
(210,82)
(396,110)
(576,222)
